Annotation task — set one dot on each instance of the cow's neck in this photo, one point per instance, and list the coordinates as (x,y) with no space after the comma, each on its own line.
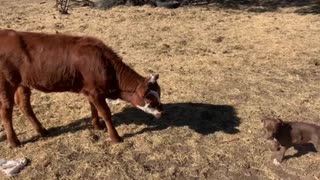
(128,80)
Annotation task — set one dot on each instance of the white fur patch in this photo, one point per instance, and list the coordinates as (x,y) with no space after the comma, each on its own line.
(149,110)
(276,162)
(113,102)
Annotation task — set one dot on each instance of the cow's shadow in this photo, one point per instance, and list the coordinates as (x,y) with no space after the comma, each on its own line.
(202,118)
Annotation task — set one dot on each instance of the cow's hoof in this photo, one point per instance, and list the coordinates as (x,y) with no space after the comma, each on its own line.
(14,144)
(116,140)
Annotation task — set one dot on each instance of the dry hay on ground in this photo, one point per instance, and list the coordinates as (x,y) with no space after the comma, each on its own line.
(220,71)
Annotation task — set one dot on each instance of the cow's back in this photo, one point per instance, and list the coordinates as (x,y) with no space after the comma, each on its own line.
(53,63)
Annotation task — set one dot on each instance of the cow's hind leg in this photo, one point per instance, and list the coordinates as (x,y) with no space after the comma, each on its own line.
(22,97)
(95,118)
(6,108)
(104,111)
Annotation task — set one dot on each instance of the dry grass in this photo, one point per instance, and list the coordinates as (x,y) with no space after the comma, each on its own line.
(220,71)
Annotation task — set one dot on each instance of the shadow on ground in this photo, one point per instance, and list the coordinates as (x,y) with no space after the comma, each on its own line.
(258,6)
(301,150)
(73,127)
(261,6)
(202,118)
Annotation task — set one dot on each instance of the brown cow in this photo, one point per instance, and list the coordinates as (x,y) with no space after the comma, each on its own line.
(60,63)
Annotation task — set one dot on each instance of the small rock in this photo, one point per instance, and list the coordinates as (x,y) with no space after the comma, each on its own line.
(219,39)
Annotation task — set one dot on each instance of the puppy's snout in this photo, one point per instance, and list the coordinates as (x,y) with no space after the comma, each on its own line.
(268,136)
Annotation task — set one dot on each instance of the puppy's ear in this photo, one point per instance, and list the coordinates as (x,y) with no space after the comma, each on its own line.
(279,121)
(279,124)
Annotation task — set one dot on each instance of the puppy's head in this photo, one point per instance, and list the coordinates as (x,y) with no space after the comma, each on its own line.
(271,127)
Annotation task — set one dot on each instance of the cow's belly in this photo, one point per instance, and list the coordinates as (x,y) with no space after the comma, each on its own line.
(50,81)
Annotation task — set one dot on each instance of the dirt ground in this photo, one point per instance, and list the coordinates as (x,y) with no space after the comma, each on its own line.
(220,70)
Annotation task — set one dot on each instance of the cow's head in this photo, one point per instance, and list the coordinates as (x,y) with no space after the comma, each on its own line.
(147,96)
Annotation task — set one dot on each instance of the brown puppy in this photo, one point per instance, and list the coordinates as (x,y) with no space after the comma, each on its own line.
(287,134)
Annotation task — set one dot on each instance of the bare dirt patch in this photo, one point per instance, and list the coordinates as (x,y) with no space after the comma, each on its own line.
(220,71)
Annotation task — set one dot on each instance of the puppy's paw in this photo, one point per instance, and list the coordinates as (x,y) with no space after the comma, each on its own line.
(276,162)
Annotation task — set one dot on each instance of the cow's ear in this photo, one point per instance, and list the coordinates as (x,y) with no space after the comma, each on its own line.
(153,78)
(156,77)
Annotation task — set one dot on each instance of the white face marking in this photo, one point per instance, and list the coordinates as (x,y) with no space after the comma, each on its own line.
(156,94)
(149,110)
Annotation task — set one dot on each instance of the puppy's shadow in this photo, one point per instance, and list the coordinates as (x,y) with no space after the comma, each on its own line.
(202,118)
(301,150)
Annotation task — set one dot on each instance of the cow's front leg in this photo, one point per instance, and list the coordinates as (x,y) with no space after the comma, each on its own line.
(104,111)
(22,97)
